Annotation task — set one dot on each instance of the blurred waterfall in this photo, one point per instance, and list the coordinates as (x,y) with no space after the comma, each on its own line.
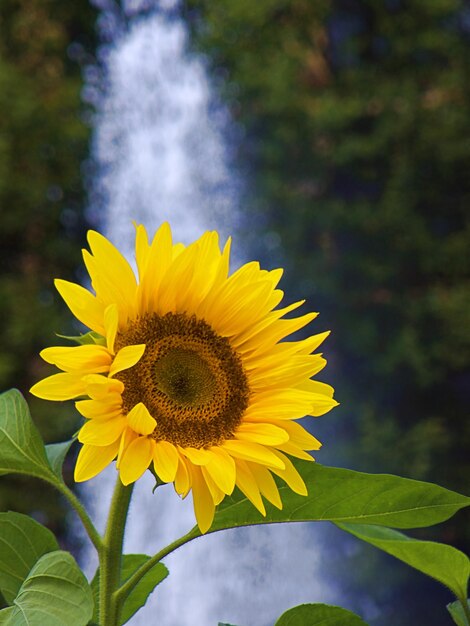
(161,154)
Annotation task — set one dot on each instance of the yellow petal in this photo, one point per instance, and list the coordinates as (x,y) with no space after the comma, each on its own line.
(248,486)
(273,330)
(140,420)
(127,437)
(290,475)
(222,470)
(178,276)
(112,276)
(293,450)
(217,494)
(239,312)
(204,272)
(127,357)
(183,478)
(267,434)
(93,459)
(198,456)
(236,306)
(287,373)
(177,249)
(222,271)
(87,359)
(165,460)
(94,409)
(266,484)
(286,349)
(284,404)
(252,452)
(203,502)
(300,437)
(322,406)
(136,459)
(59,387)
(248,340)
(111,323)
(102,432)
(153,264)
(142,249)
(316,387)
(101,387)
(86,308)
(312,343)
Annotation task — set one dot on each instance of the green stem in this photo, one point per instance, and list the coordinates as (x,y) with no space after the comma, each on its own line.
(110,553)
(466,609)
(91,531)
(121,594)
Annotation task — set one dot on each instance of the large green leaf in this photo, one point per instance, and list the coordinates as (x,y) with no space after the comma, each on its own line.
(341,495)
(56,453)
(21,447)
(55,593)
(457,613)
(319,615)
(5,615)
(443,563)
(22,542)
(138,596)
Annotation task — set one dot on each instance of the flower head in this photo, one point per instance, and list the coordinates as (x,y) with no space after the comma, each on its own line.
(187,371)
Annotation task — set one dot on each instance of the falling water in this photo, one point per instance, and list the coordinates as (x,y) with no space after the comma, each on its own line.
(161,154)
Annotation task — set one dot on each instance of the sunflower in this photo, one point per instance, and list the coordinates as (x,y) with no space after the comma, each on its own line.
(187,369)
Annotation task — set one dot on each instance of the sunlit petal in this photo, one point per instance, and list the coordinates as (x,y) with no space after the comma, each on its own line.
(140,420)
(136,459)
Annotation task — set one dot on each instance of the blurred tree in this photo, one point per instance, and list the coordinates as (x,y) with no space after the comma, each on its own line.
(43,140)
(357,123)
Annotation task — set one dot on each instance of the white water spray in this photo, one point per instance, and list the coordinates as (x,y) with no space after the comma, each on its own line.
(160,145)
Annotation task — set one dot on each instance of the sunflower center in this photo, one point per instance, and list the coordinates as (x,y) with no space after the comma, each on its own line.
(190,379)
(185,377)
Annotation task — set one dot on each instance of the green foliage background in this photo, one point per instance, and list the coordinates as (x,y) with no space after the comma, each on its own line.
(355,116)
(43,143)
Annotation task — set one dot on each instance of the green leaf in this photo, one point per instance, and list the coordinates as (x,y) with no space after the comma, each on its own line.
(138,596)
(341,495)
(55,593)
(88,338)
(5,615)
(319,615)
(457,613)
(56,453)
(22,542)
(22,450)
(444,563)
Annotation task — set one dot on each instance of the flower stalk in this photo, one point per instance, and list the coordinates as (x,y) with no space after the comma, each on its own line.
(110,554)
(88,525)
(466,609)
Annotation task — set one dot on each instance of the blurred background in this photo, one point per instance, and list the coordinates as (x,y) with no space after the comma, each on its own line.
(352,136)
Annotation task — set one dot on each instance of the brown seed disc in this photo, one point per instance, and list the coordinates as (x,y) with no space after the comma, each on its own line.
(190,379)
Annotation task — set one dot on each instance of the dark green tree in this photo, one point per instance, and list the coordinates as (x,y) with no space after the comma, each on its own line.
(43,141)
